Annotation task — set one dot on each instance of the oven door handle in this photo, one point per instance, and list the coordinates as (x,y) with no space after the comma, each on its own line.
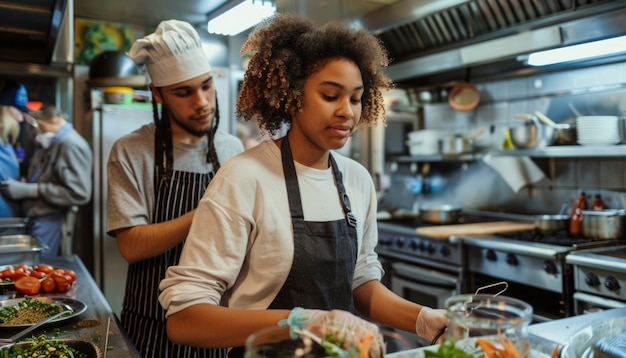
(423,276)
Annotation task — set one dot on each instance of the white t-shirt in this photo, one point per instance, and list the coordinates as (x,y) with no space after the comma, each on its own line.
(240,246)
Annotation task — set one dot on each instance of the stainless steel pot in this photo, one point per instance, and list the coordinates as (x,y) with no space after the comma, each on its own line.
(564,133)
(604,224)
(440,214)
(532,135)
(549,224)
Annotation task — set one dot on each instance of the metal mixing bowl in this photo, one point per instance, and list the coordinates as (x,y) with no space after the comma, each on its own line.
(532,135)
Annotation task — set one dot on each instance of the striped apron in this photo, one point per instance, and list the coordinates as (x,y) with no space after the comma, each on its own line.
(143,317)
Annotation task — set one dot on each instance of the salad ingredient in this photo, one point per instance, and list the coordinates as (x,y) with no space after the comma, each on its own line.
(448,349)
(28,285)
(27,311)
(42,347)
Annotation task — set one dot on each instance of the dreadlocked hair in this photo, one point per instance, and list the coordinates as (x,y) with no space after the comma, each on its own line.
(164,135)
(286,49)
(212,153)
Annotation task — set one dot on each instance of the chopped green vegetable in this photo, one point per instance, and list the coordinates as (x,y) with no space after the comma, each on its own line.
(42,347)
(448,349)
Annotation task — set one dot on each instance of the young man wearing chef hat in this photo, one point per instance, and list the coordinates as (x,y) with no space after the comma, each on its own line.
(158,173)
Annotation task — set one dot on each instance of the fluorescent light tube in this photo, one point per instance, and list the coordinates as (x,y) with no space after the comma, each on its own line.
(241,17)
(587,50)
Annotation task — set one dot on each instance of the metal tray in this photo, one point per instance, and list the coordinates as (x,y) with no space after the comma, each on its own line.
(87,348)
(76,308)
(15,226)
(20,249)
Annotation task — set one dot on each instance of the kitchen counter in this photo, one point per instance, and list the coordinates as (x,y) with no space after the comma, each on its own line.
(91,324)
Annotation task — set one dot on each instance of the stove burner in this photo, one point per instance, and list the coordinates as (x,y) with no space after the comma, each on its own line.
(559,238)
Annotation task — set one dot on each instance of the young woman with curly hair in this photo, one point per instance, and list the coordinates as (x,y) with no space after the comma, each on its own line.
(286,230)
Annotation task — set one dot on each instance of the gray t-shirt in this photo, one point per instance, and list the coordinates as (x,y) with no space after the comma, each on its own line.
(131,168)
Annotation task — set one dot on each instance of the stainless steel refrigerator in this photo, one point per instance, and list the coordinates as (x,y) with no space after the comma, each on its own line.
(110,122)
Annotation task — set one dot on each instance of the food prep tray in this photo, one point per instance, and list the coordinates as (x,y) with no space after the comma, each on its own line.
(20,249)
(15,226)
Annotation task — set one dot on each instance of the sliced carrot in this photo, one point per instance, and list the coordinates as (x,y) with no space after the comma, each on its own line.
(365,346)
(489,348)
(555,352)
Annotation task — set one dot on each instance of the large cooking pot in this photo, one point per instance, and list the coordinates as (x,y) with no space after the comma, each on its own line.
(605,224)
(440,214)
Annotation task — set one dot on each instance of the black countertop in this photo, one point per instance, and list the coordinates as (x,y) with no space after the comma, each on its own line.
(91,324)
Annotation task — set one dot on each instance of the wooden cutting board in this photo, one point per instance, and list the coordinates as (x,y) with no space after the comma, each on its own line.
(475,229)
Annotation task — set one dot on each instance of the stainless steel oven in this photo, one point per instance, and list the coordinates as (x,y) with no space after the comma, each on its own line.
(599,278)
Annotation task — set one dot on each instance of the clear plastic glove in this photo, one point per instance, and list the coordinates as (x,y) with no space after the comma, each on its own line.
(17,190)
(430,322)
(337,323)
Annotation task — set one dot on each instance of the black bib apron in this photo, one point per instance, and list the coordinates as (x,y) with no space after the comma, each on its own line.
(177,193)
(325,253)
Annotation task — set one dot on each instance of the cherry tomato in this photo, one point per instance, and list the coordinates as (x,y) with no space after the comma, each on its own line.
(7,273)
(19,274)
(43,268)
(62,282)
(37,274)
(71,274)
(28,285)
(22,268)
(48,285)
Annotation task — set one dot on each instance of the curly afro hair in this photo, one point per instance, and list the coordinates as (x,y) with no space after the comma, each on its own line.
(286,49)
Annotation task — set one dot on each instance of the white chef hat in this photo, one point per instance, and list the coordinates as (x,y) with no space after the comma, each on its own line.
(172,54)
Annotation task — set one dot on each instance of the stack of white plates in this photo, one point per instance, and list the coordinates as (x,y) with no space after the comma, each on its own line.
(597,130)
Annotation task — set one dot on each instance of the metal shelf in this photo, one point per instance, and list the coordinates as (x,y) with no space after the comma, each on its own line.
(569,151)
(564,151)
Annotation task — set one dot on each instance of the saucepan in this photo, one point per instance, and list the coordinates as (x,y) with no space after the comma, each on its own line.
(440,214)
(549,224)
(533,134)
(458,144)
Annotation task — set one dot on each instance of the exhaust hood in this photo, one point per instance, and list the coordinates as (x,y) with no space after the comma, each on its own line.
(433,42)
(36,35)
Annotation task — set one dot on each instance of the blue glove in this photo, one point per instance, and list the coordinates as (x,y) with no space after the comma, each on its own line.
(17,190)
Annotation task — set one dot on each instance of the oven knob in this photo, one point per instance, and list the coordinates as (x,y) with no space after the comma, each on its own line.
(611,283)
(444,250)
(549,267)
(399,242)
(414,245)
(491,255)
(511,260)
(591,279)
(430,248)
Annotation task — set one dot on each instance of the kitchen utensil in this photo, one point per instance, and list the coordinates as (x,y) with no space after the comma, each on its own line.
(532,135)
(565,133)
(29,329)
(458,144)
(475,229)
(106,338)
(464,97)
(440,214)
(549,224)
(605,224)
(21,249)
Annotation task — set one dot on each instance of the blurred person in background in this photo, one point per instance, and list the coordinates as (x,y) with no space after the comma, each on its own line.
(59,177)
(13,99)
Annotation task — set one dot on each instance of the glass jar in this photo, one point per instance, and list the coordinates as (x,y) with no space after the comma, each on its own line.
(492,320)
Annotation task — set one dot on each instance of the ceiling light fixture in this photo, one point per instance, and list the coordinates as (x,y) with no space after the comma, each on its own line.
(241,17)
(587,50)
